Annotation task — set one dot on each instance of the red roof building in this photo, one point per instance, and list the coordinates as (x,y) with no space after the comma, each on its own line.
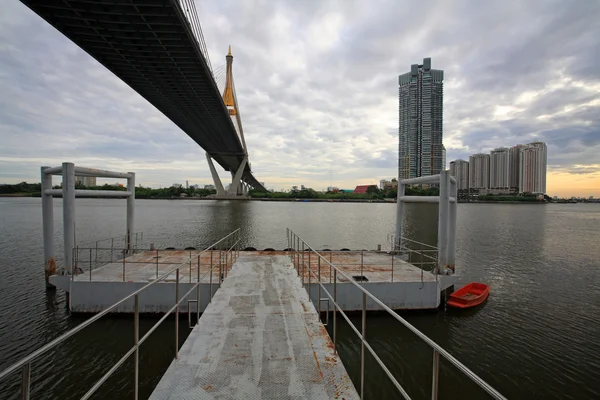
(361,189)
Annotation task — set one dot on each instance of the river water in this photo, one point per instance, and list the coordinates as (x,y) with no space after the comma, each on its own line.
(537,337)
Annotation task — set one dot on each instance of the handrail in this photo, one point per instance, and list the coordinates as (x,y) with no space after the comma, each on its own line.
(294,241)
(25,362)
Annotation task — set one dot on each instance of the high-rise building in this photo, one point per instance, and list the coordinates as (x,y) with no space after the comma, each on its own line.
(500,169)
(534,158)
(479,171)
(421,106)
(460,170)
(85,180)
(515,167)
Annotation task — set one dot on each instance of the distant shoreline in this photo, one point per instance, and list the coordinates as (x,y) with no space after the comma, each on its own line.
(377,201)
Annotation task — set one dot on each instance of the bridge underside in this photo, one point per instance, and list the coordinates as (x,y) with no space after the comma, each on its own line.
(150,45)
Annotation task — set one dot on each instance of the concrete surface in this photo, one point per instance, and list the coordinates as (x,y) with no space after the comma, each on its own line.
(406,289)
(260,338)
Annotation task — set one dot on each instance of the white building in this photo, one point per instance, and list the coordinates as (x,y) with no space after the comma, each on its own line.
(85,180)
(500,169)
(479,171)
(534,158)
(515,166)
(460,170)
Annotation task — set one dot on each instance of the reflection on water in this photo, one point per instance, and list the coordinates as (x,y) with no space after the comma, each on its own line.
(537,336)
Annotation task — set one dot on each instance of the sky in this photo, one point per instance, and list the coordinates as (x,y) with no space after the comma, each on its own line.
(318,93)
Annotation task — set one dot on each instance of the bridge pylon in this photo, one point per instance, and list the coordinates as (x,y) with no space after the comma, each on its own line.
(238,187)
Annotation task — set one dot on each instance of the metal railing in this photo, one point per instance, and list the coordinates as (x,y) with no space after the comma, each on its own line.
(302,252)
(422,255)
(90,259)
(359,267)
(24,365)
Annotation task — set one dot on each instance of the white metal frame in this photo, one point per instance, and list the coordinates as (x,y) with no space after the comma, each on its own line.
(69,193)
(446,214)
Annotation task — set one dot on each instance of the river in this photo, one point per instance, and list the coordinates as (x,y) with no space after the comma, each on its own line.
(537,336)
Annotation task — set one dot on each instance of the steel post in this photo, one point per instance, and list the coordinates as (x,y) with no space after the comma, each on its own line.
(334,310)
(136,338)
(319,284)
(303,264)
(124,266)
(330,266)
(68,189)
(443,220)
(361,263)
(48,227)
(210,281)
(451,255)
(362,345)
(91,262)
(156,263)
(25,381)
(399,216)
(112,245)
(436,375)
(177,314)
(309,279)
(392,267)
(190,273)
(130,210)
(198,292)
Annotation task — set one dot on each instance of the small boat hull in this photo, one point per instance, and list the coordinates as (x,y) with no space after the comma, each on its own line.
(470,295)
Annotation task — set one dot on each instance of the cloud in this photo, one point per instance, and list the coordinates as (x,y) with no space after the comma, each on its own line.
(317,89)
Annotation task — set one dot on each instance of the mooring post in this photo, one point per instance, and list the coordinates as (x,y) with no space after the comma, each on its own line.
(48,227)
(68,189)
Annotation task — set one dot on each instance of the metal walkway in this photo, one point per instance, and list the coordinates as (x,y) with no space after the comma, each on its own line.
(260,338)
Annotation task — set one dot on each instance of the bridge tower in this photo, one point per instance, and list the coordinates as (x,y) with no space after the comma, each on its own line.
(237,187)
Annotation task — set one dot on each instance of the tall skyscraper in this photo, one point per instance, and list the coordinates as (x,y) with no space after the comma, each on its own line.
(534,158)
(85,180)
(421,106)
(479,171)
(515,167)
(460,170)
(500,169)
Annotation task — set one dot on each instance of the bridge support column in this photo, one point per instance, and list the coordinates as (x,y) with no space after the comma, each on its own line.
(217,181)
(235,183)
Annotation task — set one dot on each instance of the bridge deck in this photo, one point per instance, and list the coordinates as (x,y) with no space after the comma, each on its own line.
(260,338)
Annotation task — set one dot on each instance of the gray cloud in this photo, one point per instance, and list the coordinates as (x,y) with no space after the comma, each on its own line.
(317,87)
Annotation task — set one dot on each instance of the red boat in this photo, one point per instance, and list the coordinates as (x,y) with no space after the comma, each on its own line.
(470,295)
